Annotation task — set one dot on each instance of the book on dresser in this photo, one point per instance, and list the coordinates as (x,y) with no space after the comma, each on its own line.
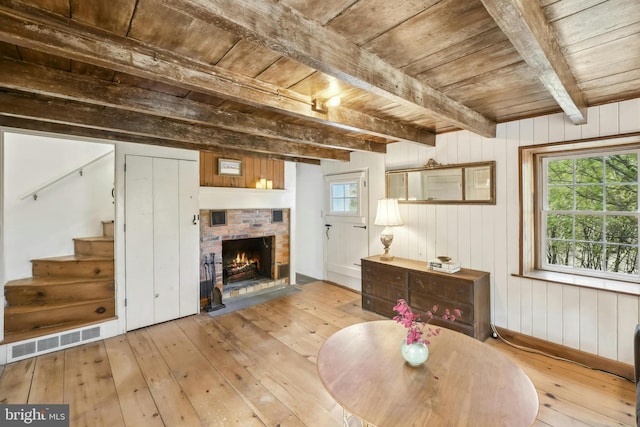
(384,282)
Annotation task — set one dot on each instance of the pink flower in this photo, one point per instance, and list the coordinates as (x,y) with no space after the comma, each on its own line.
(415,325)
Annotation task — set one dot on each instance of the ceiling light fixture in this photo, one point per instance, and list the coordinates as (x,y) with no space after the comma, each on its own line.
(322,105)
(334,101)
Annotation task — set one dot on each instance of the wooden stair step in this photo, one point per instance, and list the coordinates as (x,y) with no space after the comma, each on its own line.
(95,246)
(74,265)
(108,228)
(38,316)
(10,337)
(40,290)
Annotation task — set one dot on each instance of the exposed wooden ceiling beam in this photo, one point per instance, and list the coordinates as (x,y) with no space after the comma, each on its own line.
(49,82)
(65,130)
(524,23)
(104,118)
(281,28)
(55,35)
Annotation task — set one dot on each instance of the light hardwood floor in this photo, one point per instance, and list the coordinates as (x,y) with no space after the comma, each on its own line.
(256,367)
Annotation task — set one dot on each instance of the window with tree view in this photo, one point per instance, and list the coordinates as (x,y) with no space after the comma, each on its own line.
(589,214)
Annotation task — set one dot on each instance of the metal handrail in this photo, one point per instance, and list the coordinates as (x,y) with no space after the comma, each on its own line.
(34,193)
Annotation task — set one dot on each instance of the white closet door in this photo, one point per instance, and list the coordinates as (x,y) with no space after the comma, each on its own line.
(189,238)
(162,235)
(138,236)
(166,239)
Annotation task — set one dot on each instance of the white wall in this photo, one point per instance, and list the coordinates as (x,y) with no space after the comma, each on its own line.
(73,207)
(487,237)
(310,227)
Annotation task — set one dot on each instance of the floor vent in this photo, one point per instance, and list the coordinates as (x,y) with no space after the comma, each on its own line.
(88,334)
(48,343)
(21,350)
(73,337)
(51,343)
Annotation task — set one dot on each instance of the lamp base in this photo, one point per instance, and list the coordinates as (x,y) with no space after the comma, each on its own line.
(386,238)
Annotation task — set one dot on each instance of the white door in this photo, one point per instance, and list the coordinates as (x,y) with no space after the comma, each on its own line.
(346,227)
(161,238)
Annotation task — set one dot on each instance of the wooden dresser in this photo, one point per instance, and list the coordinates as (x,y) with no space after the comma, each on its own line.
(384,282)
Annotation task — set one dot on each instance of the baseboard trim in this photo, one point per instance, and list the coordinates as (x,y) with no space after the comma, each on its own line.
(615,367)
(346,288)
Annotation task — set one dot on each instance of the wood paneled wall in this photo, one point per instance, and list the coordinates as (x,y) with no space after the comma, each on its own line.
(252,170)
(487,237)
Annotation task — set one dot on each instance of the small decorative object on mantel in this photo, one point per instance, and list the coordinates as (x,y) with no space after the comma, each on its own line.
(431,164)
(415,348)
(444,265)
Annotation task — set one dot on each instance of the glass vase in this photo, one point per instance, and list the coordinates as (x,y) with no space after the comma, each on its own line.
(415,354)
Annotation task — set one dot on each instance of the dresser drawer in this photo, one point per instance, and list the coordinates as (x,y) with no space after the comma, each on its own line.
(451,288)
(377,305)
(389,275)
(368,286)
(421,303)
(390,293)
(384,290)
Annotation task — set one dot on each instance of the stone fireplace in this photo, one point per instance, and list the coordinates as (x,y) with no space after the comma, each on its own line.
(244,250)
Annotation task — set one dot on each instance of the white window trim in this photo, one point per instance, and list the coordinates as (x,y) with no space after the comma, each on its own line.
(528,155)
(356,217)
(544,265)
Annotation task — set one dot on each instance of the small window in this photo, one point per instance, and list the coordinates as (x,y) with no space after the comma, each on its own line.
(344,198)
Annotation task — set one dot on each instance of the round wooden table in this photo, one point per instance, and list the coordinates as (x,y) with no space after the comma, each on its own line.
(463,383)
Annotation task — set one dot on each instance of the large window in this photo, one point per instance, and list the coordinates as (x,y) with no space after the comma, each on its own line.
(588,213)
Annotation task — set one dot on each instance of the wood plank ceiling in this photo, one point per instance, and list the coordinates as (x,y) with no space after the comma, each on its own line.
(248,77)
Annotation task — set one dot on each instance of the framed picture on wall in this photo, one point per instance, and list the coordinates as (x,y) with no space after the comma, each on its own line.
(229,167)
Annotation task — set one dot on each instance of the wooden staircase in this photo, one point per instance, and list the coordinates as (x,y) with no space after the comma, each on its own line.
(65,292)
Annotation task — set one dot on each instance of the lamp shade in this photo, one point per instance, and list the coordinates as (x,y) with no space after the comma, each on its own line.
(388,213)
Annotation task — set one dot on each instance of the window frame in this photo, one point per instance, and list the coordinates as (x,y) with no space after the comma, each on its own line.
(333,198)
(543,212)
(360,179)
(529,186)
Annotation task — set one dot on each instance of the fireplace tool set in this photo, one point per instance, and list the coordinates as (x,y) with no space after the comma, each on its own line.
(214,295)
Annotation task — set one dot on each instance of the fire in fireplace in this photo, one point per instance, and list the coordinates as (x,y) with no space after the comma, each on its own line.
(247,259)
(242,268)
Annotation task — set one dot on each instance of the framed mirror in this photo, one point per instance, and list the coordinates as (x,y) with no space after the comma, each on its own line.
(472,183)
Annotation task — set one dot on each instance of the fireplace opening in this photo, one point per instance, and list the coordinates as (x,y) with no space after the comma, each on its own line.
(247,259)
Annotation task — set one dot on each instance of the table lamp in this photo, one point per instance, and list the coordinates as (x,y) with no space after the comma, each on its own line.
(388,215)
